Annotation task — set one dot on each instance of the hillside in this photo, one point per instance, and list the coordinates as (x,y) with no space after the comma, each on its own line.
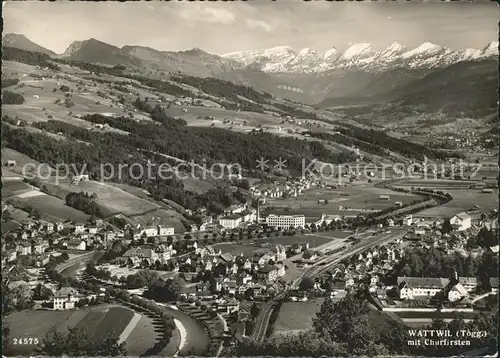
(466,89)
(23,43)
(95,51)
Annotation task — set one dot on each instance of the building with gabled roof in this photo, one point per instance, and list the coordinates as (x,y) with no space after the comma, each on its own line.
(420,287)
(462,220)
(65,298)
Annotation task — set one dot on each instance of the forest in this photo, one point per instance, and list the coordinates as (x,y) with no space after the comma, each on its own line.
(214,145)
(28,57)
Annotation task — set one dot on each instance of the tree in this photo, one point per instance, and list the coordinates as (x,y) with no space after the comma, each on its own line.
(77,343)
(306,284)
(9,97)
(254,310)
(41,292)
(446,228)
(346,322)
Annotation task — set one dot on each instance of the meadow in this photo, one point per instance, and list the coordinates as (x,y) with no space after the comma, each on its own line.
(294,317)
(354,199)
(98,322)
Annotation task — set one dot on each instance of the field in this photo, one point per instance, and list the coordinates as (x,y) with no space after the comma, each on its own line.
(29,165)
(110,198)
(98,322)
(463,199)
(235,249)
(354,199)
(50,207)
(296,316)
(13,186)
(265,244)
(314,241)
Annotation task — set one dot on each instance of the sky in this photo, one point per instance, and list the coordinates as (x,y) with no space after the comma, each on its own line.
(222,27)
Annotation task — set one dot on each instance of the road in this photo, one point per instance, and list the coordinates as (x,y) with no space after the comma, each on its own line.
(327,263)
(260,329)
(196,340)
(68,268)
(320,267)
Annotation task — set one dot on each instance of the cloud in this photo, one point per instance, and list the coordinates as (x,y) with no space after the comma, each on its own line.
(208,14)
(258,25)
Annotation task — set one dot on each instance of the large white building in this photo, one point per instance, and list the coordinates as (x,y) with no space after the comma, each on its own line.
(285,221)
(157,230)
(462,220)
(420,287)
(230,222)
(65,298)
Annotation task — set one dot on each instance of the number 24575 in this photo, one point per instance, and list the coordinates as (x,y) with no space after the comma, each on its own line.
(25,341)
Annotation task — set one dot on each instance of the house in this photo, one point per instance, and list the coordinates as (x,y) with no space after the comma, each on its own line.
(420,287)
(65,298)
(40,247)
(93,229)
(147,232)
(462,221)
(494,284)
(230,222)
(310,255)
(349,282)
(231,286)
(469,283)
(408,220)
(231,306)
(10,163)
(48,227)
(77,244)
(162,254)
(59,226)
(268,273)
(279,252)
(390,222)
(457,292)
(42,260)
(165,231)
(24,248)
(79,178)
(78,228)
(419,231)
(280,270)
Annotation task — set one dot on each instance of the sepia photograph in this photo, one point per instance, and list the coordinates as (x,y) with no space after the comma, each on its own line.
(283,178)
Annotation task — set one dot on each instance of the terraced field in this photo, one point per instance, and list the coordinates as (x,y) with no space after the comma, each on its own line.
(98,322)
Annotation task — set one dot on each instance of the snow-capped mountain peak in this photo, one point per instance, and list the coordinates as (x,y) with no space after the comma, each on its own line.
(427,48)
(330,53)
(359,56)
(392,50)
(306,52)
(279,53)
(491,49)
(356,51)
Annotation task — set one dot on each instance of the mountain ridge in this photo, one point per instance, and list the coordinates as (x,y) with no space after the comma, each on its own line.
(22,42)
(360,56)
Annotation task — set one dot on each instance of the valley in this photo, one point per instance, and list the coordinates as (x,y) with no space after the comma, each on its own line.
(237,204)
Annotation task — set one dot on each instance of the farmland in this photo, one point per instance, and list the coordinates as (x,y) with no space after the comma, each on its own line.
(312,240)
(354,199)
(110,198)
(50,207)
(235,249)
(296,316)
(463,197)
(98,322)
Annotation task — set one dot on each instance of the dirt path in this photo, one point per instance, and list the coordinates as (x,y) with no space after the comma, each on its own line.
(183,335)
(130,327)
